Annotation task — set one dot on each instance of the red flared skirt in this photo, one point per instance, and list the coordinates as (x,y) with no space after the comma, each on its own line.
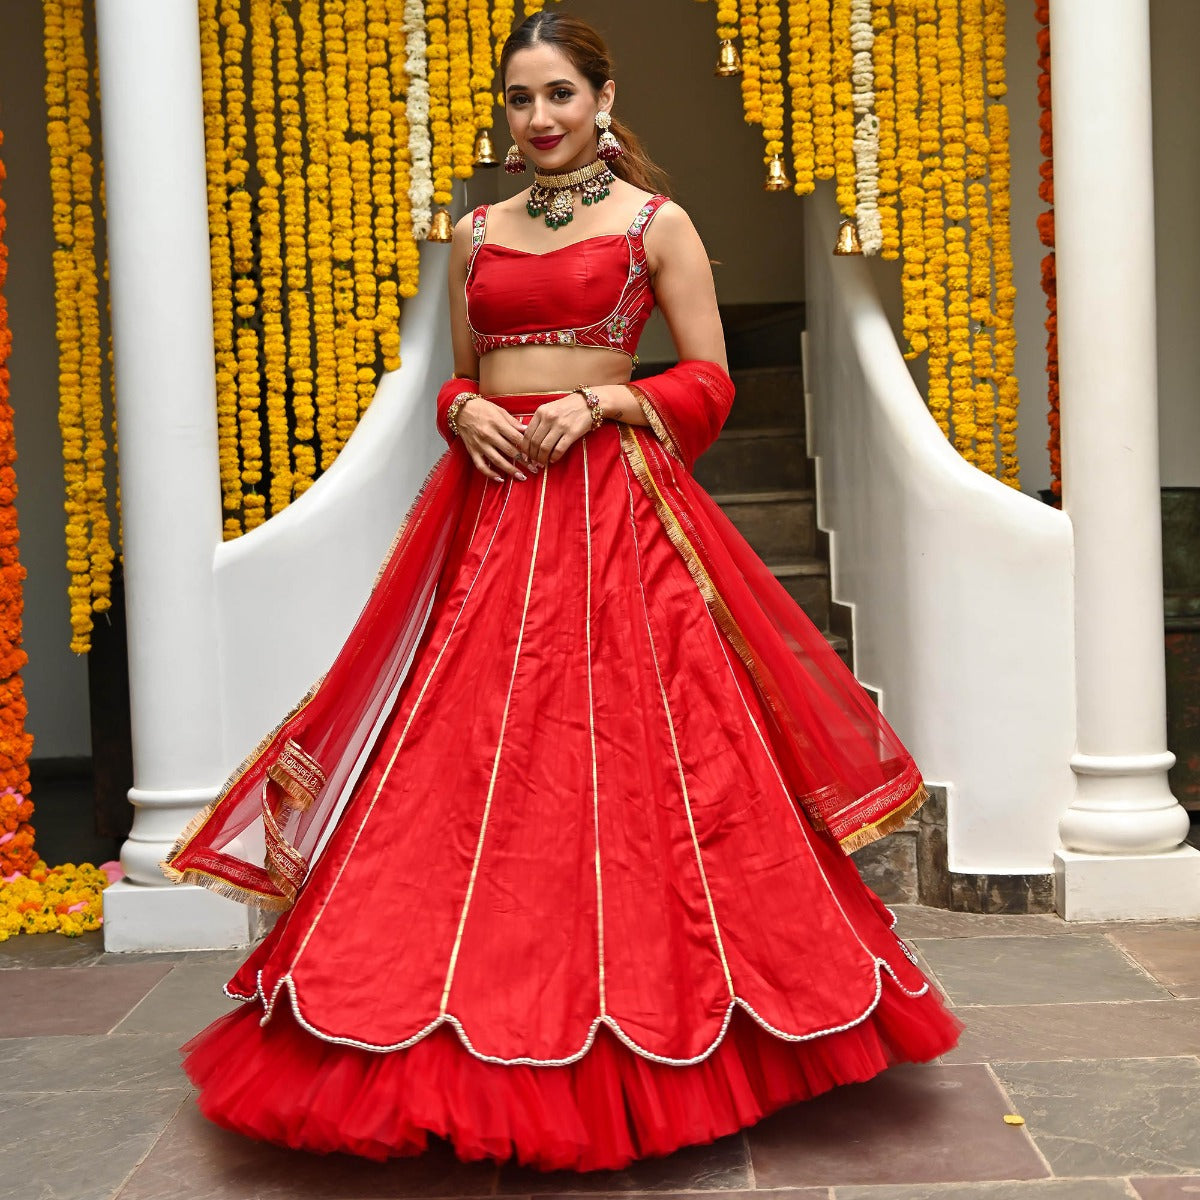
(570,913)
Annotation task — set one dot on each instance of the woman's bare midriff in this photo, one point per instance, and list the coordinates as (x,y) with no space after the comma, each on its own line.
(520,370)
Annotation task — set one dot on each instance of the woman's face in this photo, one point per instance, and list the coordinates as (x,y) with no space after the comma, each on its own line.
(552,108)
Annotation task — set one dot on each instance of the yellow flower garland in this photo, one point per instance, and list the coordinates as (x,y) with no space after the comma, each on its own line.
(770,78)
(727,20)
(883,52)
(437,53)
(751,71)
(821,89)
(503,16)
(911,182)
(843,106)
(77,290)
(462,103)
(483,68)
(800,84)
(274,344)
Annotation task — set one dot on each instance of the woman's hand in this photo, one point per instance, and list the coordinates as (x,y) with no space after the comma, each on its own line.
(555,427)
(493,438)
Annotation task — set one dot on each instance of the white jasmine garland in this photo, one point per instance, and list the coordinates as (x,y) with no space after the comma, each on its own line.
(866,128)
(420,148)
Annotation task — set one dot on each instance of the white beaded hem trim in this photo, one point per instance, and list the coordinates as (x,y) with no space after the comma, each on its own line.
(448,1018)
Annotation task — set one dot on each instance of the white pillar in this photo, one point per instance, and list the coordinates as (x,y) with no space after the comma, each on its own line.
(1122,855)
(170,490)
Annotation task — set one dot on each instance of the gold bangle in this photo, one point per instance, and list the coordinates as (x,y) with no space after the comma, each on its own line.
(456,405)
(593,403)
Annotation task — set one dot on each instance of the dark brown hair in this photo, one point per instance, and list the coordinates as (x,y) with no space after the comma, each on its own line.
(586,49)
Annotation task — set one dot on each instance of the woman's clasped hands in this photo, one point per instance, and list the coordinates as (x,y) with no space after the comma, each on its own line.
(499,444)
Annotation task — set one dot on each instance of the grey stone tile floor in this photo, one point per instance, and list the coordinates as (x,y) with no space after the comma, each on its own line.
(1091,1033)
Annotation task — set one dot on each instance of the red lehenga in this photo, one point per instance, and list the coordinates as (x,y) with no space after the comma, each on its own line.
(584,900)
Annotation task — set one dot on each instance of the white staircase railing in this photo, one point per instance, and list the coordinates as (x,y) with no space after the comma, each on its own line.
(961,588)
(289,591)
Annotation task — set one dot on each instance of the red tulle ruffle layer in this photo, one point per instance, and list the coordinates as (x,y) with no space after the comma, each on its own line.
(281,1084)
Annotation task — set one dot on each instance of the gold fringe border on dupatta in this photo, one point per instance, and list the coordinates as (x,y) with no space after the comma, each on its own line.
(632,448)
(656,422)
(885,825)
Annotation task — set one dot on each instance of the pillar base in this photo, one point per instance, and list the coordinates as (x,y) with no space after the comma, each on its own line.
(174,917)
(1127,887)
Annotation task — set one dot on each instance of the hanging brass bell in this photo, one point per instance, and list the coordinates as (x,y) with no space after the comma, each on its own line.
(777,176)
(729,61)
(485,152)
(442,228)
(847,238)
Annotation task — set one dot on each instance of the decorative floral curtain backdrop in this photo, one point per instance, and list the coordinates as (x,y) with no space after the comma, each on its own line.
(900,103)
(336,128)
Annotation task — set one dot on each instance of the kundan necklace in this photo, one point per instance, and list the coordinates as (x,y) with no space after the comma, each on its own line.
(554,195)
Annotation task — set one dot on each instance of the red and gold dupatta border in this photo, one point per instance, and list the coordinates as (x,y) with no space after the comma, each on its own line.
(883,810)
(656,422)
(297,772)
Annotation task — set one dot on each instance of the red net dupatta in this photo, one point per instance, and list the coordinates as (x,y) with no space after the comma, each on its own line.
(847,769)
(843,763)
(256,840)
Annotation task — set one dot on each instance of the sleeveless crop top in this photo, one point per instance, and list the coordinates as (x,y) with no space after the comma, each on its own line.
(594,292)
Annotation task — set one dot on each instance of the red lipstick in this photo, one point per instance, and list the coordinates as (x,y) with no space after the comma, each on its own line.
(546,143)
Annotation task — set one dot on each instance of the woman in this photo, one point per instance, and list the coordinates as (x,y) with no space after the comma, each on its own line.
(581,771)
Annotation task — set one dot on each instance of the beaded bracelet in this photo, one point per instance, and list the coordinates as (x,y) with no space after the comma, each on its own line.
(456,405)
(593,403)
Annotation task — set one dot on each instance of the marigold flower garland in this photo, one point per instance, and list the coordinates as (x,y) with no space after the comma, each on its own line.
(295,226)
(883,56)
(420,143)
(441,131)
(274,344)
(33,898)
(866,128)
(843,105)
(751,70)
(77,290)
(770,78)
(800,85)
(15,742)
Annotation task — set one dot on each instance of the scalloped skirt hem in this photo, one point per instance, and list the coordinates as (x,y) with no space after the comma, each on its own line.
(279,1083)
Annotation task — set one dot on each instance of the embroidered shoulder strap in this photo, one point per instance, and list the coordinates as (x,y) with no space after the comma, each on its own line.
(478,230)
(637,228)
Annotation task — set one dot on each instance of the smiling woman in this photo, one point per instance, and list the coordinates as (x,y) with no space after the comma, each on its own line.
(588,899)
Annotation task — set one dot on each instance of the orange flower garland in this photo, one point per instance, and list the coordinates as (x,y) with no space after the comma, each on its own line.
(15,742)
(33,898)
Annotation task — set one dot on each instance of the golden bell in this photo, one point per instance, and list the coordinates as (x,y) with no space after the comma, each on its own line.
(777,176)
(442,228)
(485,152)
(847,238)
(729,61)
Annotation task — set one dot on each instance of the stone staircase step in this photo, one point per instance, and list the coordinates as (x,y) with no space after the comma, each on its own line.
(780,525)
(742,459)
(807,582)
(768,397)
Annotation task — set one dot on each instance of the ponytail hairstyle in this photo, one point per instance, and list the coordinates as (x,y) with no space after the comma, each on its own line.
(586,49)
